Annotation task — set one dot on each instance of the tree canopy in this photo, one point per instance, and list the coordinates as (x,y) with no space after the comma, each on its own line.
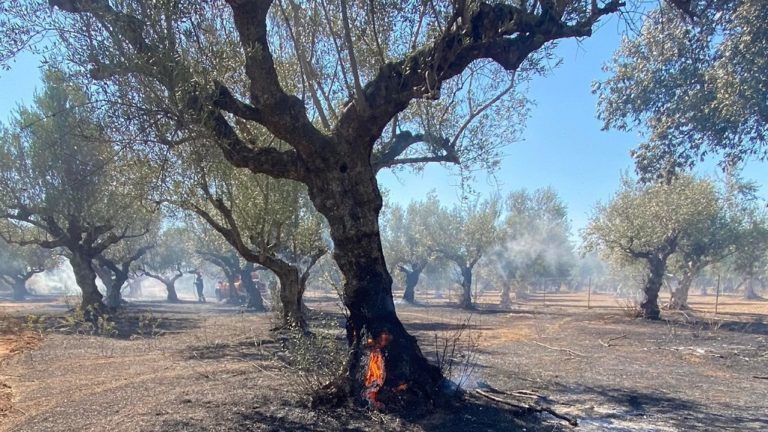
(696,86)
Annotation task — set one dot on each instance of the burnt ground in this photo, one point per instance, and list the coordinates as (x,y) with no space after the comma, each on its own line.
(191,367)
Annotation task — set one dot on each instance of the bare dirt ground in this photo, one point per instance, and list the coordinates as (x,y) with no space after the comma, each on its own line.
(191,367)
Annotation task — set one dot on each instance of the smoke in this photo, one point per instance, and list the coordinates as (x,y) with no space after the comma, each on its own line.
(61,282)
(58,281)
(539,250)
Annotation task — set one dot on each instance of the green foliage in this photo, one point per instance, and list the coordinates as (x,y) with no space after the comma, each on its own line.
(697,86)
(64,179)
(317,358)
(464,233)
(651,220)
(405,237)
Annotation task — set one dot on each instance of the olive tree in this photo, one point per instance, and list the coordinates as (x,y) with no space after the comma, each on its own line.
(212,247)
(269,222)
(116,265)
(534,241)
(170,258)
(66,183)
(406,245)
(336,85)
(19,263)
(463,235)
(697,86)
(647,223)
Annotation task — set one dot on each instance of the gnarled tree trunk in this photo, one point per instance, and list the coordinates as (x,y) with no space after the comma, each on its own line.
(679,298)
(82,266)
(20,291)
(466,288)
(411,280)
(255,301)
(113,299)
(749,291)
(650,305)
(351,203)
(290,296)
(170,288)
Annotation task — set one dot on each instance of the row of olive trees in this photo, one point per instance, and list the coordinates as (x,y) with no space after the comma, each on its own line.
(340,94)
(680,227)
(76,188)
(515,241)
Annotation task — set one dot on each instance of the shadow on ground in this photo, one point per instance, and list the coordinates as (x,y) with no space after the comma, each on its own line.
(676,412)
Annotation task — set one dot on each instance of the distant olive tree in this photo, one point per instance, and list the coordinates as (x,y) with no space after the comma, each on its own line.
(647,223)
(19,263)
(462,235)
(170,258)
(406,243)
(534,241)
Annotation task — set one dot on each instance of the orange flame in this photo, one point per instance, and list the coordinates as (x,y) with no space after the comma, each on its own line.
(375,375)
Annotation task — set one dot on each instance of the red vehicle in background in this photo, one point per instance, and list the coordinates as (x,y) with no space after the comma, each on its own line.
(223,291)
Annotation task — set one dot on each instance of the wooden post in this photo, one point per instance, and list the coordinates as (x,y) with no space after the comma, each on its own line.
(589,294)
(717,293)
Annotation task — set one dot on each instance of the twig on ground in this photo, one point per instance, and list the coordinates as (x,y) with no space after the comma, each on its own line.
(608,342)
(569,351)
(760,377)
(534,408)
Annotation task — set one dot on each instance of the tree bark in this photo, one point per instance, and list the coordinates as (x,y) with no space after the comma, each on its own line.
(679,298)
(82,266)
(650,305)
(290,296)
(170,288)
(113,297)
(255,301)
(351,202)
(749,291)
(411,280)
(20,291)
(466,288)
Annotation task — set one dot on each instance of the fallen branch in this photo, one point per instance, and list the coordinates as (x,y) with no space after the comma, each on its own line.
(534,408)
(608,342)
(569,351)
(518,393)
(760,377)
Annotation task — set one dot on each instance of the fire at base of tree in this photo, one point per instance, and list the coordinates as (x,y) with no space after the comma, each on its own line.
(242,142)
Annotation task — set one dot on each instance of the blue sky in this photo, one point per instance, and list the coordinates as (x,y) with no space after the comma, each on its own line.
(562,145)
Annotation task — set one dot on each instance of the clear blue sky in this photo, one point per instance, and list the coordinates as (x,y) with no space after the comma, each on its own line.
(562,145)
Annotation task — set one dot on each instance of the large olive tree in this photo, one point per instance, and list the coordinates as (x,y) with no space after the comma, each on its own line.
(361,71)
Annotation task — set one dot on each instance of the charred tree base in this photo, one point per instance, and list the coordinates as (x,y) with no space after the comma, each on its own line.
(650,312)
(419,397)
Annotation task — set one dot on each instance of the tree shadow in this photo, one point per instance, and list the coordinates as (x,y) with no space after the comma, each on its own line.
(250,350)
(756,326)
(679,413)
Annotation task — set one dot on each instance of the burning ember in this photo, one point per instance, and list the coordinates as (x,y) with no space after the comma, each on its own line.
(375,375)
